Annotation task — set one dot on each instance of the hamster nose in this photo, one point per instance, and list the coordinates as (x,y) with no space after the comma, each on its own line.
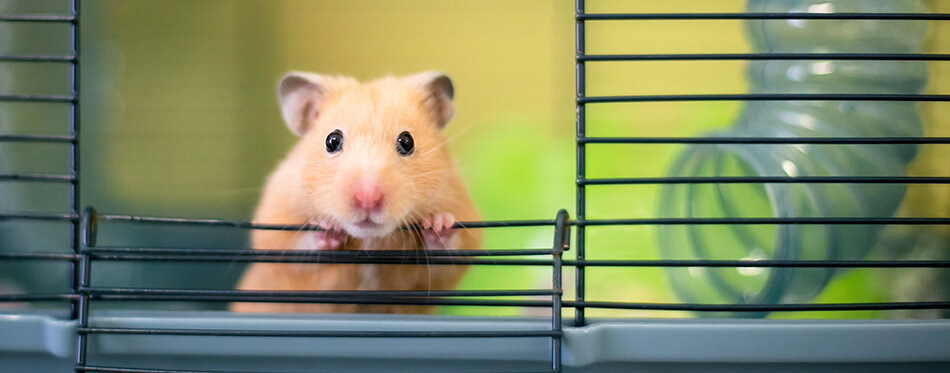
(368,196)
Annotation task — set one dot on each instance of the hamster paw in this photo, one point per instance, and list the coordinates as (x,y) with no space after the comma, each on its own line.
(331,238)
(437,229)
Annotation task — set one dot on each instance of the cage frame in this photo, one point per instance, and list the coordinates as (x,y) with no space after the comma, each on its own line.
(907,343)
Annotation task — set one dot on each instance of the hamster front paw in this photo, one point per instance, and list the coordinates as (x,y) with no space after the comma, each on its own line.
(331,238)
(437,229)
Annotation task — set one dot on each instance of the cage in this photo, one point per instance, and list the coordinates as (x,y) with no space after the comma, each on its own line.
(754,220)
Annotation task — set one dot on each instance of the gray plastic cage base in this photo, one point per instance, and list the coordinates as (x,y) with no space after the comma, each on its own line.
(36,342)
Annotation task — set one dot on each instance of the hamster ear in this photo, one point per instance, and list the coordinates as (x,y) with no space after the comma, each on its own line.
(438,95)
(301,96)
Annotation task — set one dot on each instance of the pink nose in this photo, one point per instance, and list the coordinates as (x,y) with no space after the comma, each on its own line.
(367,196)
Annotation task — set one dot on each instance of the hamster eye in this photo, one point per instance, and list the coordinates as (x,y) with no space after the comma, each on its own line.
(404,144)
(334,141)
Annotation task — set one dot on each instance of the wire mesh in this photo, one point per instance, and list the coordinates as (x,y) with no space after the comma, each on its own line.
(584,142)
(90,253)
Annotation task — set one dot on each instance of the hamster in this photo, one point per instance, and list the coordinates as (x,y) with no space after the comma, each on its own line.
(371,159)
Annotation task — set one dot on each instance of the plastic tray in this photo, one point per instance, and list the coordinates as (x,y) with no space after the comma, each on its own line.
(36,342)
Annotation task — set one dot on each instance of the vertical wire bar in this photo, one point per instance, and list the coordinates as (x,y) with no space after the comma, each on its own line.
(562,239)
(83,231)
(74,153)
(74,231)
(580,81)
(75,116)
(88,240)
(76,234)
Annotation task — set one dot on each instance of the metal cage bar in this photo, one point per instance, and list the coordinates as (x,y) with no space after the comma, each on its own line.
(75,259)
(766,56)
(580,80)
(750,16)
(81,235)
(766,140)
(50,18)
(766,97)
(562,242)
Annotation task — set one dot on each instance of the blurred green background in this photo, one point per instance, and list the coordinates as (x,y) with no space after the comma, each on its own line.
(179,119)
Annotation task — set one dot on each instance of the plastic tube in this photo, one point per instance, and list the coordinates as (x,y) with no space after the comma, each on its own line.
(799,119)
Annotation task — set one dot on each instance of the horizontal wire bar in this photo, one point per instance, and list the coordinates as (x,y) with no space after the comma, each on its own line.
(510,303)
(38,98)
(529,303)
(325,333)
(320,294)
(56,178)
(172,255)
(250,225)
(505,223)
(760,221)
(6,298)
(37,18)
(37,216)
(38,256)
(743,16)
(764,140)
(656,221)
(38,138)
(798,307)
(599,222)
(421,254)
(766,97)
(321,300)
(768,180)
(323,260)
(189,255)
(764,56)
(38,58)
(262,256)
(302,259)
(762,263)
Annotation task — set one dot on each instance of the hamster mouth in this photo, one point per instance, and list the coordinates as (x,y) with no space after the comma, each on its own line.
(366,224)
(367,228)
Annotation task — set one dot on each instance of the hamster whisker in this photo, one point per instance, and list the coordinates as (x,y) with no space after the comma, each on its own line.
(417,235)
(434,170)
(430,150)
(461,130)
(425,255)
(429,172)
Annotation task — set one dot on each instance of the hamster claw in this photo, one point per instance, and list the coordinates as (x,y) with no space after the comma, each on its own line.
(438,221)
(438,229)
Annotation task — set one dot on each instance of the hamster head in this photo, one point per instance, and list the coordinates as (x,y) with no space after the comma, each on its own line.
(372,157)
